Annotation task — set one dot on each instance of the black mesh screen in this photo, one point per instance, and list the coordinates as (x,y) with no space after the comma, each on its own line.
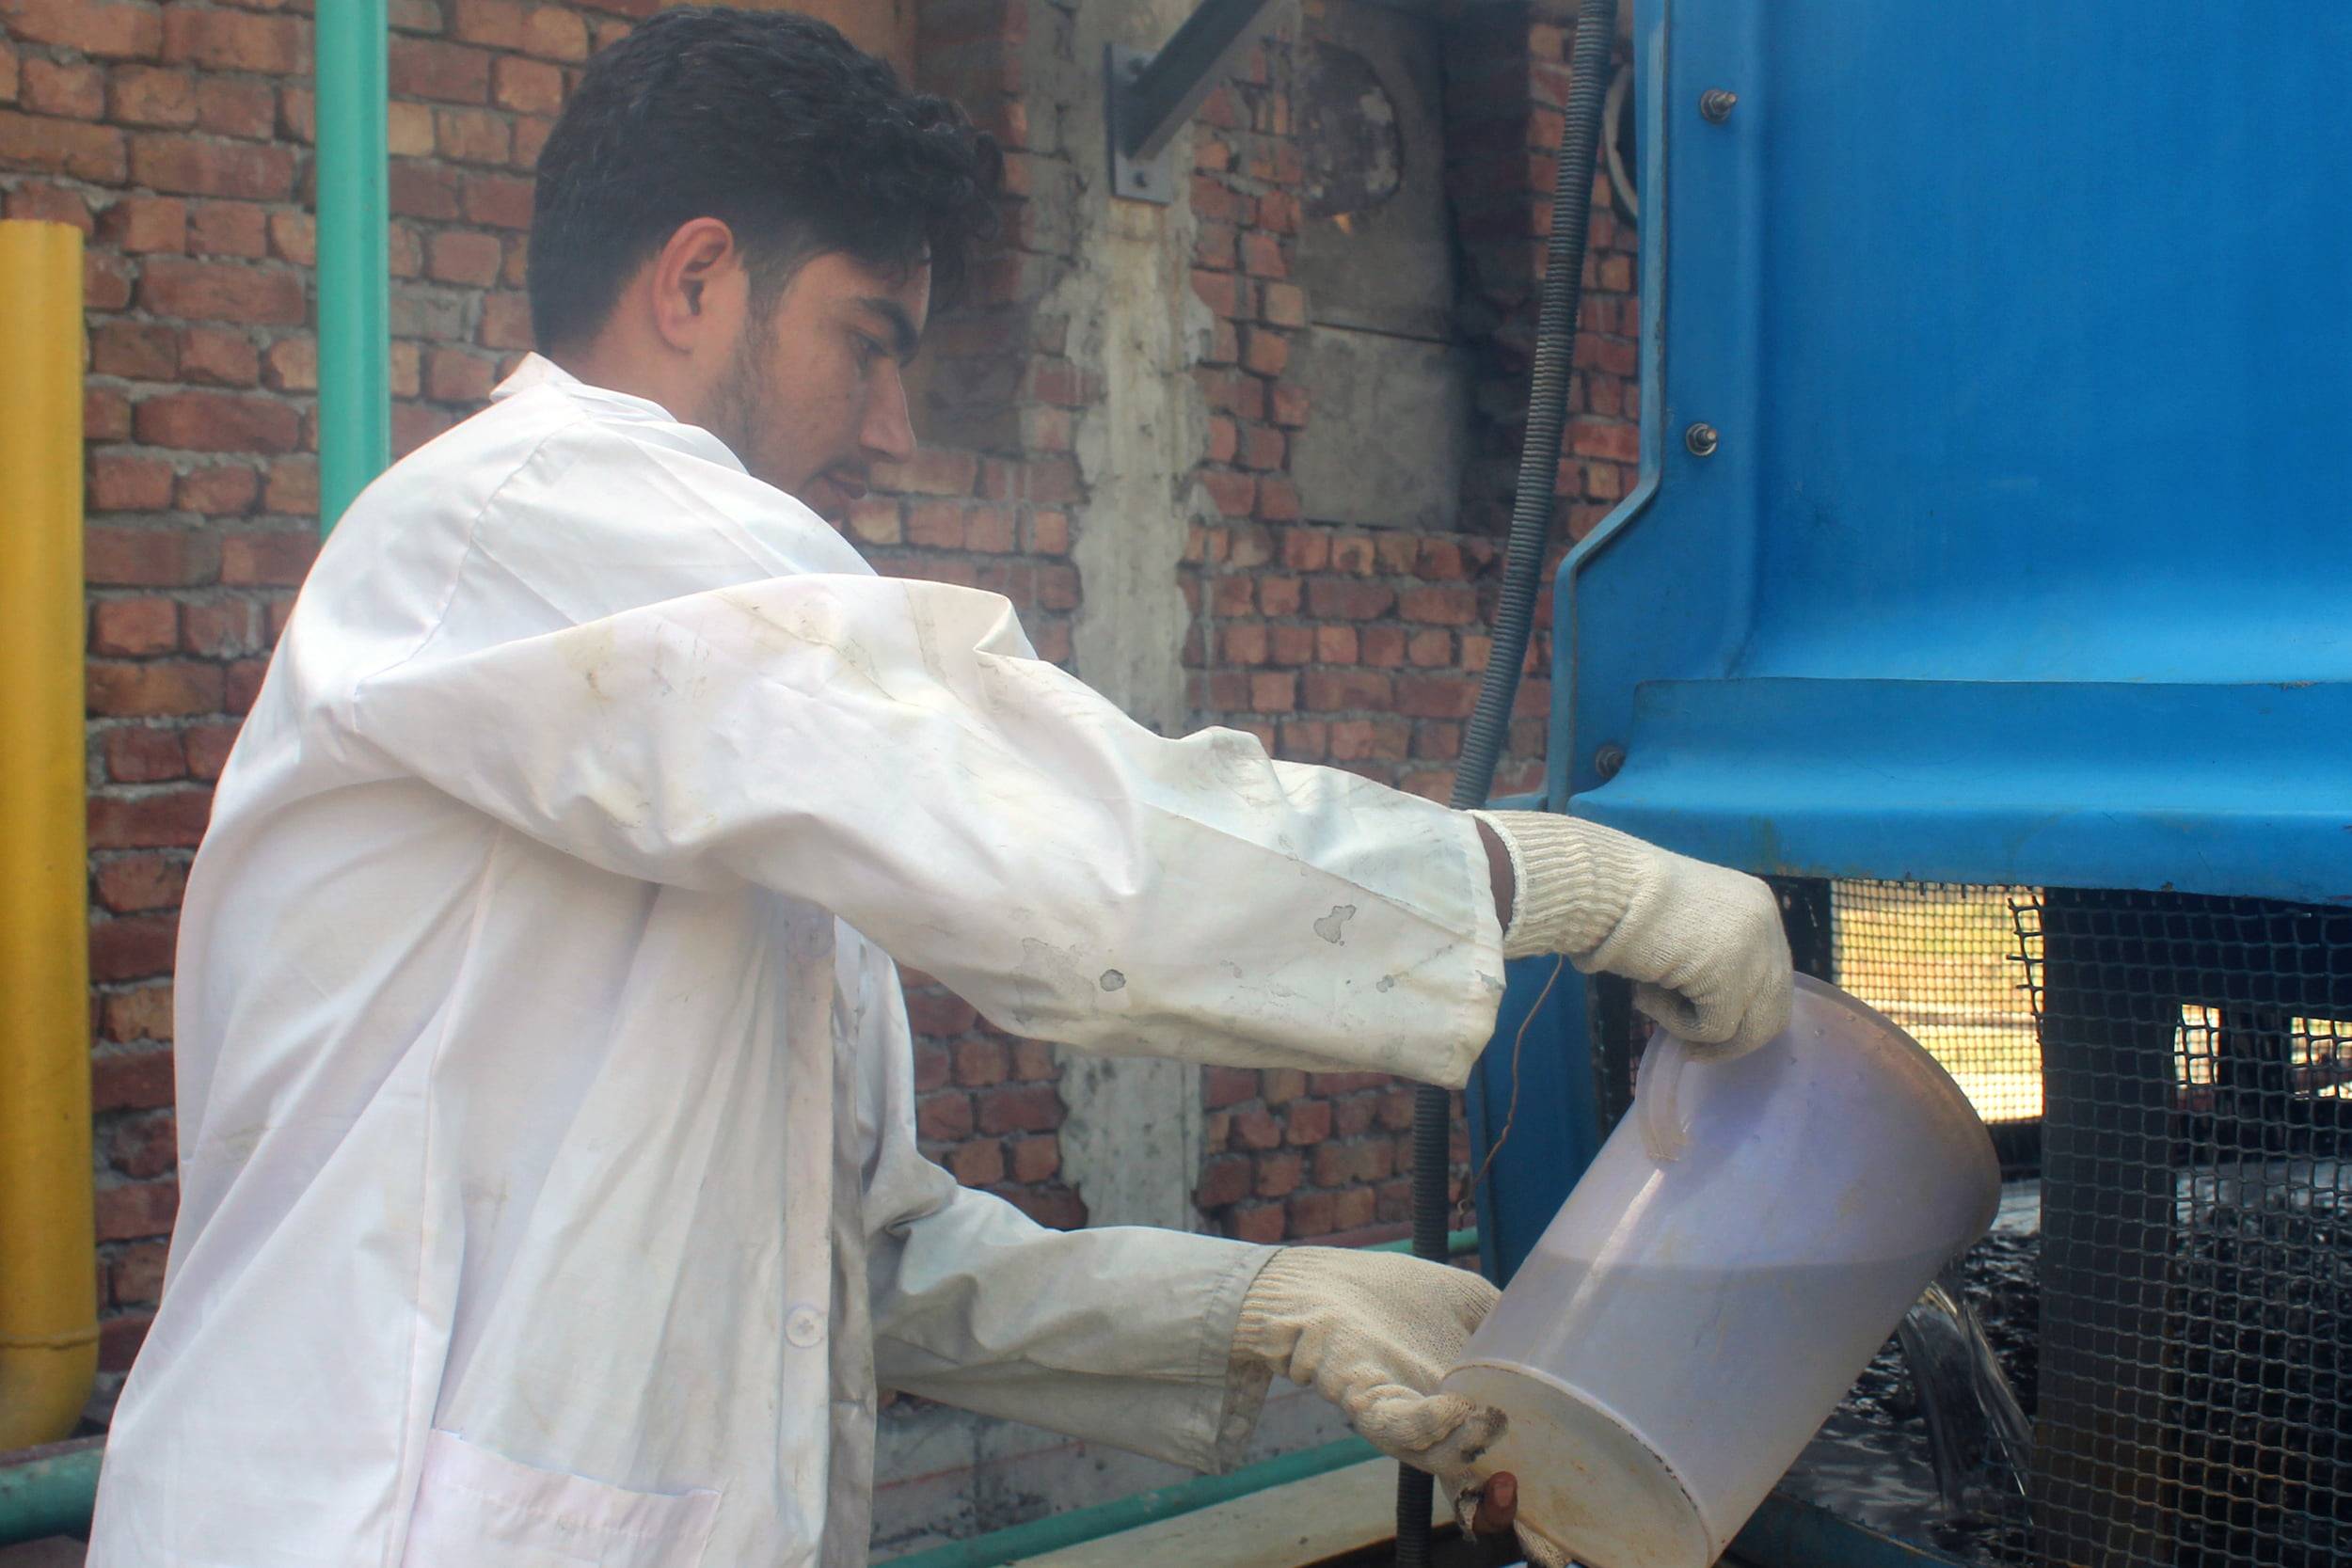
(2171,1076)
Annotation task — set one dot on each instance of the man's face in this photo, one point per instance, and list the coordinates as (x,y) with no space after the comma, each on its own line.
(815,396)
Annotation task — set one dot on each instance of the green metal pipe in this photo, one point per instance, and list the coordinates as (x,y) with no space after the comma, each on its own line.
(1040,1536)
(354,274)
(1456,1243)
(48,1490)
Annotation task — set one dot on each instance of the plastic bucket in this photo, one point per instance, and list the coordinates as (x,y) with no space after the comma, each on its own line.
(1693,1312)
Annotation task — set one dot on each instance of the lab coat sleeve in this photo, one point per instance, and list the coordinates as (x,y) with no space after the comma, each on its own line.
(894,750)
(1121,1333)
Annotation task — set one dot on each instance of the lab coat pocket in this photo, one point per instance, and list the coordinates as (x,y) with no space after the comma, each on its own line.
(475,1507)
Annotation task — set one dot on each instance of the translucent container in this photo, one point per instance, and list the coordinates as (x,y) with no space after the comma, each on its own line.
(1744,1243)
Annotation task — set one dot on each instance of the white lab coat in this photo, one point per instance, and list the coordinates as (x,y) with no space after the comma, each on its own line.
(549,1190)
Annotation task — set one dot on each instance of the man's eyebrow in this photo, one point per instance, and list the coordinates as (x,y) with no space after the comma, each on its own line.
(904,337)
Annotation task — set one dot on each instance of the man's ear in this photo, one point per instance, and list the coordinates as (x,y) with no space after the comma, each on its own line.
(693,275)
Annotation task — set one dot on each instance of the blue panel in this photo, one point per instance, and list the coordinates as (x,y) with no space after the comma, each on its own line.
(1554,1123)
(2026,551)
(2232,789)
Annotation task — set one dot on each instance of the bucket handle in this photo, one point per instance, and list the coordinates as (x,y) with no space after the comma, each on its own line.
(1659,1098)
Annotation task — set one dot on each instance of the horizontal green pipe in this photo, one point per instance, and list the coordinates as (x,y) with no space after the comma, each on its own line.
(1040,1536)
(1456,1243)
(48,1490)
(51,1491)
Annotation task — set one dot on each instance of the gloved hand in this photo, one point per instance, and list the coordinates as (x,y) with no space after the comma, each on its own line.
(1373,1332)
(1703,944)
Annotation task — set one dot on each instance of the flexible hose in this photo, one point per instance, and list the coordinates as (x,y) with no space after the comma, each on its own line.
(1489,731)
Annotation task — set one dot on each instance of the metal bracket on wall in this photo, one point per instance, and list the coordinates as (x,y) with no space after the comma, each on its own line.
(1149,96)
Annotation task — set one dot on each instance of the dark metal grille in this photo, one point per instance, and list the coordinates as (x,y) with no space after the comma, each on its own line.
(2178,1070)
(2197,1230)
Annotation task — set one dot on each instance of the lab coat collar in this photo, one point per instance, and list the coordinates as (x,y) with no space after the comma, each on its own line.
(538,371)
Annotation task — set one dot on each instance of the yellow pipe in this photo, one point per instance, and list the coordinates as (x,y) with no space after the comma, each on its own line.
(48,1274)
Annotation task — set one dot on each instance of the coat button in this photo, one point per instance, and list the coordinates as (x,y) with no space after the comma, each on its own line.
(804,1326)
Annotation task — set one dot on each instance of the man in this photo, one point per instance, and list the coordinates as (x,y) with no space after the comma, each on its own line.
(549,1184)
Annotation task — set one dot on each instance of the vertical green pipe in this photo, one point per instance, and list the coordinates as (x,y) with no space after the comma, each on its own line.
(354,292)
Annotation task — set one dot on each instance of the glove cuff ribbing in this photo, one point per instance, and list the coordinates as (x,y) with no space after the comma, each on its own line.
(1575,880)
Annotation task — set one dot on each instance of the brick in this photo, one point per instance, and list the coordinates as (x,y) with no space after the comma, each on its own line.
(445,73)
(190,165)
(208,749)
(230,229)
(10,72)
(105,279)
(70,89)
(1256,1129)
(234,40)
(217,421)
(1273,692)
(1263,1224)
(140,882)
(1261,256)
(1313,1214)
(227,107)
(294,237)
(458,256)
(1384,647)
(119,1338)
(1440,604)
(292,365)
(130,628)
(1277,499)
(1283,1084)
(1292,645)
(500,199)
(112,29)
(1334,690)
(93,153)
(105,415)
(135,948)
(1231,494)
(1278,1175)
(138,1211)
(1278,595)
(146,690)
(1287,406)
(298,115)
(1357,1206)
(218,627)
(944,1117)
(211,355)
(146,558)
(134,351)
(528,86)
(293,487)
(1339,599)
(222,492)
(1264,352)
(505,322)
(472,136)
(1228,1085)
(454,376)
(145,224)
(134,1080)
(530,135)
(243,685)
(129,485)
(978,1164)
(932,471)
(1263,448)
(137,1278)
(1309,1121)
(1219,291)
(1036,1159)
(1020,1108)
(1225,1180)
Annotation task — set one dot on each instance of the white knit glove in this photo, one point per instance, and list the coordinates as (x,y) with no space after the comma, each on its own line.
(1374,1332)
(1703,944)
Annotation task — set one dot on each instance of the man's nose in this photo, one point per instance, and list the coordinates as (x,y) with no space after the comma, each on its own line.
(888,431)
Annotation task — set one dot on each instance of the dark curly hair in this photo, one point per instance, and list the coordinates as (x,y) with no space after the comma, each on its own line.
(776,125)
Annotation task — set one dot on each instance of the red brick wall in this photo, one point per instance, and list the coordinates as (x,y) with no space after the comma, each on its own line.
(1363,648)
(178,138)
